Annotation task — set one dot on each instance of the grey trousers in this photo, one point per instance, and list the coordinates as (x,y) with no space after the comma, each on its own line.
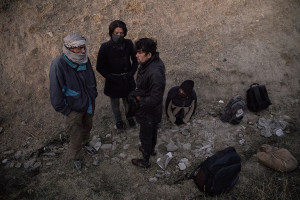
(78,126)
(115,106)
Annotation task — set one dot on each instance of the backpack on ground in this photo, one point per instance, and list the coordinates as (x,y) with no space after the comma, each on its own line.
(234,110)
(218,173)
(257,98)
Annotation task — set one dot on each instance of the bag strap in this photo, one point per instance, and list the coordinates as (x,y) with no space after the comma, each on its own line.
(188,176)
(192,174)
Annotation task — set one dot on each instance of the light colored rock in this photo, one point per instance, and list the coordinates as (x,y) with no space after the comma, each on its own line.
(115,159)
(122,155)
(172,147)
(4,161)
(181,166)
(18,165)
(126,146)
(152,180)
(114,145)
(51,154)
(187,146)
(185,132)
(29,163)
(8,152)
(37,165)
(106,147)
(185,161)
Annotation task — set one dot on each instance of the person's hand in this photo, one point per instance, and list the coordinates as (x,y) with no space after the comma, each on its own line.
(138,98)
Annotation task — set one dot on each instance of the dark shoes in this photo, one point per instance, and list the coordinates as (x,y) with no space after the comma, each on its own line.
(120,126)
(131,123)
(140,163)
(153,153)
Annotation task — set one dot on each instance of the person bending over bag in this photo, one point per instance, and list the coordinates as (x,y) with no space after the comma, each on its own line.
(181,103)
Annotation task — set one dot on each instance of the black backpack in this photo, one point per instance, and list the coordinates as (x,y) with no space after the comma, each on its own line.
(234,111)
(257,98)
(218,173)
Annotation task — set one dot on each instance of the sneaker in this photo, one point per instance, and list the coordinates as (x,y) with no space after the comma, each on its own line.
(140,163)
(77,164)
(90,149)
(131,123)
(153,153)
(120,126)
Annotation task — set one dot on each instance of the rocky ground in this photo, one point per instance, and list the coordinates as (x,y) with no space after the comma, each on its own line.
(224,46)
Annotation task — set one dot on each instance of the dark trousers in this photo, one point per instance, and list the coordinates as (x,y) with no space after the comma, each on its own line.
(148,137)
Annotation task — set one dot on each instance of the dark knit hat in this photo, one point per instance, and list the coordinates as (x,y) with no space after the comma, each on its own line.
(187,86)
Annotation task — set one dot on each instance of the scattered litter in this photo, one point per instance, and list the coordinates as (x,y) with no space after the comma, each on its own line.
(164,161)
(221,101)
(242,141)
(95,143)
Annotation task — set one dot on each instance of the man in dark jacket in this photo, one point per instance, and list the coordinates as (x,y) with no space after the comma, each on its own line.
(181,103)
(73,91)
(149,92)
(117,64)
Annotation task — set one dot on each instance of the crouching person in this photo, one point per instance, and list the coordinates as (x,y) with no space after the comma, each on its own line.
(181,103)
(73,92)
(149,92)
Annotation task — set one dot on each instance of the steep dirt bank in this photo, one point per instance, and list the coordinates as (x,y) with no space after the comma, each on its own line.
(223,45)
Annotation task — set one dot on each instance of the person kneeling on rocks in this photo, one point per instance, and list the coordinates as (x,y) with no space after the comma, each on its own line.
(181,103)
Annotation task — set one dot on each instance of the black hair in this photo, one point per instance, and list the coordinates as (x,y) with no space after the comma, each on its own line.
(146,45)
(117,24)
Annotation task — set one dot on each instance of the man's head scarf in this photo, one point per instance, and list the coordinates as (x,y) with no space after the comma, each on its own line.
(74,40)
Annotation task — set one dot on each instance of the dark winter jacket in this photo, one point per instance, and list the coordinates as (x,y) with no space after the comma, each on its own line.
(72,87)
(151,82)
(117,64)
(187,105)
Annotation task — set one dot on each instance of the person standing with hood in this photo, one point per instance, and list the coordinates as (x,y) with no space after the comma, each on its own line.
(117,63)
(151,82)
(73,90)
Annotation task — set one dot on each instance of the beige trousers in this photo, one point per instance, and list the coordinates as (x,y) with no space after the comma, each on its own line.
(78,126)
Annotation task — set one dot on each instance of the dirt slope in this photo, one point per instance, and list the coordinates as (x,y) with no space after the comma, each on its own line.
(224,46)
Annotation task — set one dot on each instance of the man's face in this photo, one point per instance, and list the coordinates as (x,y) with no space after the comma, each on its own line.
(118,31)
(142,56)
(182,93)
(80,49)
